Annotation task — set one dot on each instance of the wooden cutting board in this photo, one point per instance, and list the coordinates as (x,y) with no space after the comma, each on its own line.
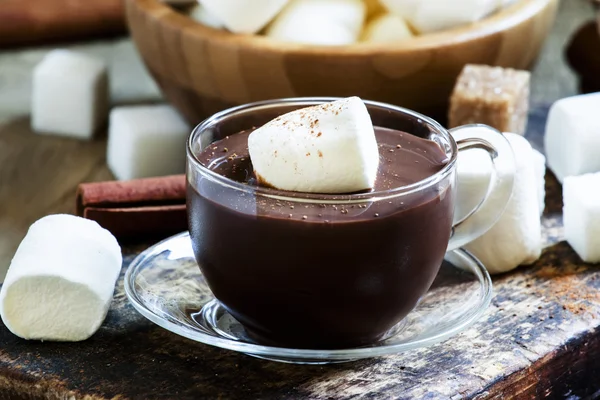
(540,338)
(25,22)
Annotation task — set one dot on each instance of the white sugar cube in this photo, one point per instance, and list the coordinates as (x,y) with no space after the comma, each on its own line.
(70,95)
(516,238)
(581,215)
(146,141)
(572,139)
(539,165)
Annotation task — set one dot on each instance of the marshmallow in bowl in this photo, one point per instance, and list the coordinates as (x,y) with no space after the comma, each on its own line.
(516,238)
(327,148)
(386,28)
(320,22)
(199,13)
(435,15)
(404,8)
(61,280)
(244,16)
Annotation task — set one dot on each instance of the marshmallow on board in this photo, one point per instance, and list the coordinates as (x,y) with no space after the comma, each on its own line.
(244,16)
(320,22)
(327,148)
(61,280)
(516,237)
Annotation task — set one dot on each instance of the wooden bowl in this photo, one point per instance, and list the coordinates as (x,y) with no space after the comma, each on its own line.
(203,70)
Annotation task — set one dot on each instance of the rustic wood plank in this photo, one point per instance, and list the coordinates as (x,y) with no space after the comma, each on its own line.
(39,175)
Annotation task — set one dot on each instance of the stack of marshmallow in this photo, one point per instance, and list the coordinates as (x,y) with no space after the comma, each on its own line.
(341,22)
(571,141)
(71,98)
(516,238)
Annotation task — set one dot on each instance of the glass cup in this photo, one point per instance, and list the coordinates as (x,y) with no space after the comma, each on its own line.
(347,274)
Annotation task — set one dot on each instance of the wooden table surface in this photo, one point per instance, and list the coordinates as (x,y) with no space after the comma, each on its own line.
(539,338)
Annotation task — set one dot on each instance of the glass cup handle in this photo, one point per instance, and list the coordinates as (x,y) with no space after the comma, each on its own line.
(487,212)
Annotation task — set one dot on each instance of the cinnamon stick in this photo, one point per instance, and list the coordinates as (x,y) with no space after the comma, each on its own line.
(138,209)
(43,21)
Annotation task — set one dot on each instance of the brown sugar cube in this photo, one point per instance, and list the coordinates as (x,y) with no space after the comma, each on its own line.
(498,97)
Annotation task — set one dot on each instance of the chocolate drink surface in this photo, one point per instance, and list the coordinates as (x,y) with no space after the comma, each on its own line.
(314,275)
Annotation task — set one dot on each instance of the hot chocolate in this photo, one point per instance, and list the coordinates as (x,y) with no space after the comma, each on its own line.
(327,274)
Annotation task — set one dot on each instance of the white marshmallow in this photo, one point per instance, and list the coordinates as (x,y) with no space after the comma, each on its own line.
(473,173)
(506,3)
(244,16)
(572,137)
(581,215)
(200,14)
(434,15)
(539,165)
(516,238)
(146,141)
(386,28)
(404,8)
(70,95)
(320,22)
(328,148)
(60,283)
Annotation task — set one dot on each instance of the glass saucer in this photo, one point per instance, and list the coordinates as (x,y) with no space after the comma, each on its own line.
(166,286)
